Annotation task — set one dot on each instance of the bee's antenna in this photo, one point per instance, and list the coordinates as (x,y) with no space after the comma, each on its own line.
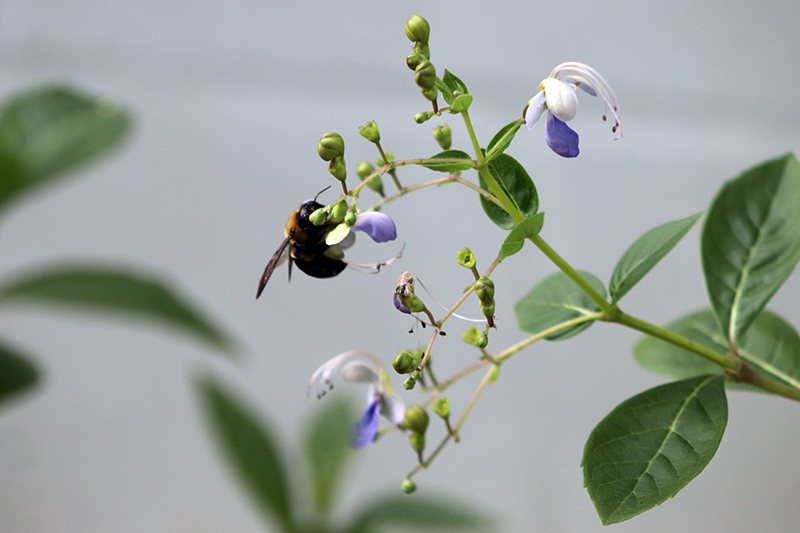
(320,192)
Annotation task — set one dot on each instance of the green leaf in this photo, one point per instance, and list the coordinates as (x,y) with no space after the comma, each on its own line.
(117,290)
(517,184)
(645,253)
(751,242)
(771,347)
(449,166)
(250,449)
(529,227)
(327,449)
(454,83)
(47,131)
(416,514)
(461,104)
(555,300)
(16,373)
(502,139)
(652,445)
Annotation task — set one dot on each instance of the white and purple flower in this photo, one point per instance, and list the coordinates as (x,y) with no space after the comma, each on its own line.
(557,98)
(379,226)
(362,367)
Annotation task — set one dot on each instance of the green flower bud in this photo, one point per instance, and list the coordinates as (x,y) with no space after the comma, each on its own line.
(409,383)
(338,169)
(466,259)
(417,441)
(425,75)
(350,218)
(441,407)
(483,342)
(471,336)
(419,118)
(416,419)
(405,363)
(444,136)
(364,170)
(413,303)
(484,288)
(338,212)
(412,60)
(370,132)
(430,94)
(408,486)
(418,30)
(318,217)
(488,311)
(330,146)
(422,50)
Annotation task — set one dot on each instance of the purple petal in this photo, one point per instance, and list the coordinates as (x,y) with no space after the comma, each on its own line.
(377,225)
(365,429)
(560,137)
(400,306)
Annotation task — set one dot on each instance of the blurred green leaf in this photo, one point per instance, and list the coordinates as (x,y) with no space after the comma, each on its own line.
(106,289)
(652,445)
(47,131)
(529,227)
(496,147)
(517,184)
(415,513)
(327,449)
(751,242)
(251,450)
(16,373)
(449,166)
(645,253)
(554,300)
(771,347)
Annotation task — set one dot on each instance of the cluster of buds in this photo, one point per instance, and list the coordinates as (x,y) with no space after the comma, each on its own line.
(484,289)
(418,31)
(331,148)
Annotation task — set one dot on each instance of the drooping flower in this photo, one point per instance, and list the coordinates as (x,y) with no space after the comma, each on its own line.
(379,226)
(557,98)
(362,367)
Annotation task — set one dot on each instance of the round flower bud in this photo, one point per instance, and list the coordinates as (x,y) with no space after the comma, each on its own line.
(338,212)
(330,146)
(488,311)
(417,441)
(418,30)
(318,217)
(422,50)
(405,363)
(425,75)
(484,288)
(443,135)
(419,118)
(412,60)
(409,383)
(483,342)
(430,94)
(364,170)
(350,218)
(408,486)
(416,419)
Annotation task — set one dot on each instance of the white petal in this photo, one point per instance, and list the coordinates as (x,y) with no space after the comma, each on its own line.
(536,108)
(337,234)
(561,99)
(592,78)
(392,408)
(322,379)
(358,372)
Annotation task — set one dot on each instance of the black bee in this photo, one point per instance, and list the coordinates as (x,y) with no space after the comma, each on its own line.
(305,246)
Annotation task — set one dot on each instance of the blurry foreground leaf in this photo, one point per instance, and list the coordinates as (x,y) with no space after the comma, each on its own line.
(412,513)
(16,373)
(327,450)
(251,451)
(47,131)
(104,289)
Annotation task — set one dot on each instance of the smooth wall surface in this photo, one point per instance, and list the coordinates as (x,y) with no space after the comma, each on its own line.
(229,100)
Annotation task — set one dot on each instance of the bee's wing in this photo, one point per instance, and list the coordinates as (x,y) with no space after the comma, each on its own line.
(280,256)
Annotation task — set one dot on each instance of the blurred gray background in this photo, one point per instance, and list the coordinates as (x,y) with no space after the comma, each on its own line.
(230,99)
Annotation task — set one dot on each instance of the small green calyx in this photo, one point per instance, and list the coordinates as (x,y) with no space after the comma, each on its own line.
(418,30)
(423,117)
(467,260)
(430,94)
(330,146)
(471,336)
(409,383)
(425,75)
(319,217)
(417,441)
(370,132)
(443,136)
(337,213)
(408,486)
(441,407)
(405,362)
(338,169)
(350,218)
(416,419)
